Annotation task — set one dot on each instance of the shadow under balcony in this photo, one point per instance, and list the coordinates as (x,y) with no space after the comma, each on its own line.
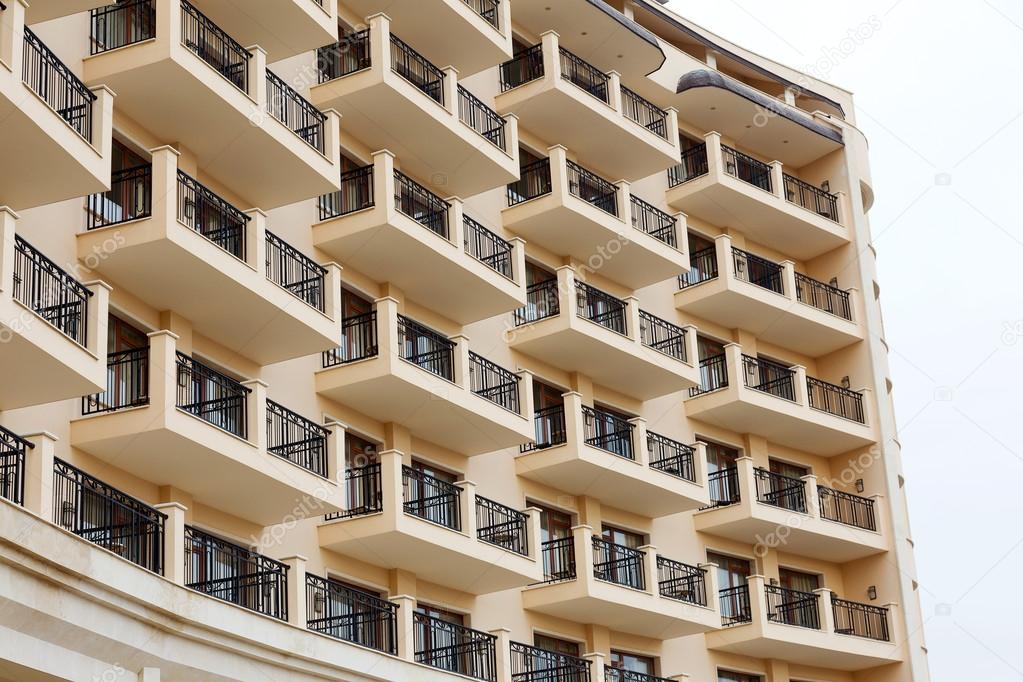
(283,28)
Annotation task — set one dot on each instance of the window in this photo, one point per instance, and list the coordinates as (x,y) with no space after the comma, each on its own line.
(616,562)
(786,469)
(799,581)
(359,452)
(634,663)
(428,494)
(732,579)
(438,645)
(558,562)
(728,676)
(559,646)
(722,477)
(623,537)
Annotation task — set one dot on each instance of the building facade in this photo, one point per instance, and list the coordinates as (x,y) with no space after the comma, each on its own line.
(506,340)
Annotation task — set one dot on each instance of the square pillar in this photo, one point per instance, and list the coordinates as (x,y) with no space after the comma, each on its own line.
(710,583)
(257,80)
(163,370)
(380,41)
(582,537)
(451,90)
(813,506)
(8,221)
(700,463)
(650,575)
(614,94)
(558,159)
(639,445)
(533,533)
(575,429)
(149,675)
(467,508)
(12,32)
(336,451)
(174,554)
(671,128)
(296,589)
(632,324)
(255,413)
(332,137)
(392,491)
(39,474)
(456,222)
(387,327)
(734,366)
(102,120)
(788,279)
(164,192)
(406,626)
(462,368)
(97,317)
(757,599)
(502,650)
(715,162)
(623,195)
(692,345)
(799,385)
(518,262)
(255,240)
(551,49)
(596,660)
(825,613)
(527,408)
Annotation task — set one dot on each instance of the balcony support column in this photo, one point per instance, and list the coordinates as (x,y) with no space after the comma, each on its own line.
(733,366)
(639,445)
(461,369)
(715,162)
(757,600)
(614,96)
(533,532)
(582,543)
(163,370)
(723,256)
(569,303)
(855,305)
(746,483)
(813,507)
(799,386)
(102,120)
(842,204)
(518,262)
(336,451)
(168,21)
(511,133)
(527,407)
(296,589)
(12,30)
(700,464)
(8,222)
(788,279)
(97,317)
(255,240)
(255,413)
(39,474)
(392,492)
(596,660)
(575,429)
(257,79)
(467,509)
(502,650)
(387,327)
(623,197)
(825,613)
(174,554)
(332,292)
(380,42)
(778,179)
(456,222)
(558,159)
(650,576)
(671,129)
(692,345)
(710,580)
(165,164)
(406,645)
(551,51)
(632,323)
(451,90)
(869,408)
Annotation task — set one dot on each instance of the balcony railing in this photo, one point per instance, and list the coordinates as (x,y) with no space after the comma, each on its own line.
(542,301)
(296,112)
(694,165)
(585,76)
(431,499)
(592,188)
(127,383)
(130,197)
(493,382)
(358,341)
(653,221)
(235,574)
(645,113)
(356,194)
(531,664)
(713,375)
(526,66)
(558,559)
(417,70)
(792,607)
(768,377)
(347,56)
(481,118)
(723,486)
(295,272)
(420,204)
(860,620)
(823,296)
(549,424)
(501,526)
(121,24)
(107,517)
(681,582)
(348,614)
(618,564)
(50,292)
(703,267)
(211,396)
(671,457)
(363,493)
(454,648)
(426,348)
(488,10)
(622,675)
(662,336)
(202,210)
(821,202)
(780,491)
(12,466)
(734,605)
(601,307)
(608,432)
(843,507)
(292,437)
(53,81)
(835,400)
(487,247)
(756,270)
(747,169)
(214,46)
(534,181)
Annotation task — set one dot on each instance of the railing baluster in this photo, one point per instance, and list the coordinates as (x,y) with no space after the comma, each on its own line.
(12,466)
(54,82)
(425,348)
(653,221)
(347,56)
(694,165)
(493,382)
(662,336)
(602,308)
(670,456)
(769,377)
(860,620)
(618,564)
(212,396)
(487,247)
(351,615)
(608,432)
(431,499)
(549,423)
(532,664)
(781,491)
(792,607)
(214,46)
(127,383)
(53,294)
(713,375)
(454,648)
(296,112)
(481,118)
(358,341)
(295,272)
(299,440)
(836,400)
(202,210)
(703,267)
(681,582)
(502,526)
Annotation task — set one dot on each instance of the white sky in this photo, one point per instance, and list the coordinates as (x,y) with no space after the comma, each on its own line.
(939,91)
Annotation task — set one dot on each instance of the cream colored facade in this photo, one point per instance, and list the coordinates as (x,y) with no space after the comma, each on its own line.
(611,401)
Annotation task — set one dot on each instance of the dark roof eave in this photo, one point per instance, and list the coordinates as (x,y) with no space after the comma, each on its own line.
(630,25)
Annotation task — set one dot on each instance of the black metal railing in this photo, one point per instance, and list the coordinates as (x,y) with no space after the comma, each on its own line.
(558,559)
(608,432)
(488,10)
(212,396)
(426,348)
(585,76)
(50,292)
(792,607)
(843,507)
(487,247)
(756,270)
(622,675)
(549,426)
(694,165)
(542,301)
(481,118)
(662,336)
(836,400)
(747,169)
(703,267)
(363,493)
(723,486)
(681,582)
(501,526)
(54,82)
(618,564)
(493,382)
(127,383)
(351,615)
(202,210)
(734,605)
(214,46)
(297,113)
(532,664)
(356,194)
(713,375)
(417,70)
(121,24)
(347,56)
(768,377)
(601,307)
(670,456)
(455,648)
(802,193)
(358,341)
(431,499)
(420,204)
(653,221)
(130,197)
(780,491)
(592,188)
(860,620)
(299,440)
(235,574)
(12,466)
(107,517)
(645,113)
(525,67)
(823,296)
(295,272)
(534,181)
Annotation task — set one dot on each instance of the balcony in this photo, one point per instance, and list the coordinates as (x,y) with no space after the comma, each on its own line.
(563,98)
(635,591)
(393,369)
(740,290)
(245,126)
(398,517)
(476,35)
(532,664)
(45,10)
(171,420)
(579,328)
(618,462)
(52,326)
(753,395)
(439,256)
(752,504)
(54,125)
(284,29)
(725,187)
(806,628)
(192,252)
(454,648)
(391,97)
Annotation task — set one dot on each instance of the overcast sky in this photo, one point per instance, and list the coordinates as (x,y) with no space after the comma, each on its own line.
(939,93)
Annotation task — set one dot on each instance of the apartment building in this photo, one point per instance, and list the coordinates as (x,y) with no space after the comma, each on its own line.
(501,340)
